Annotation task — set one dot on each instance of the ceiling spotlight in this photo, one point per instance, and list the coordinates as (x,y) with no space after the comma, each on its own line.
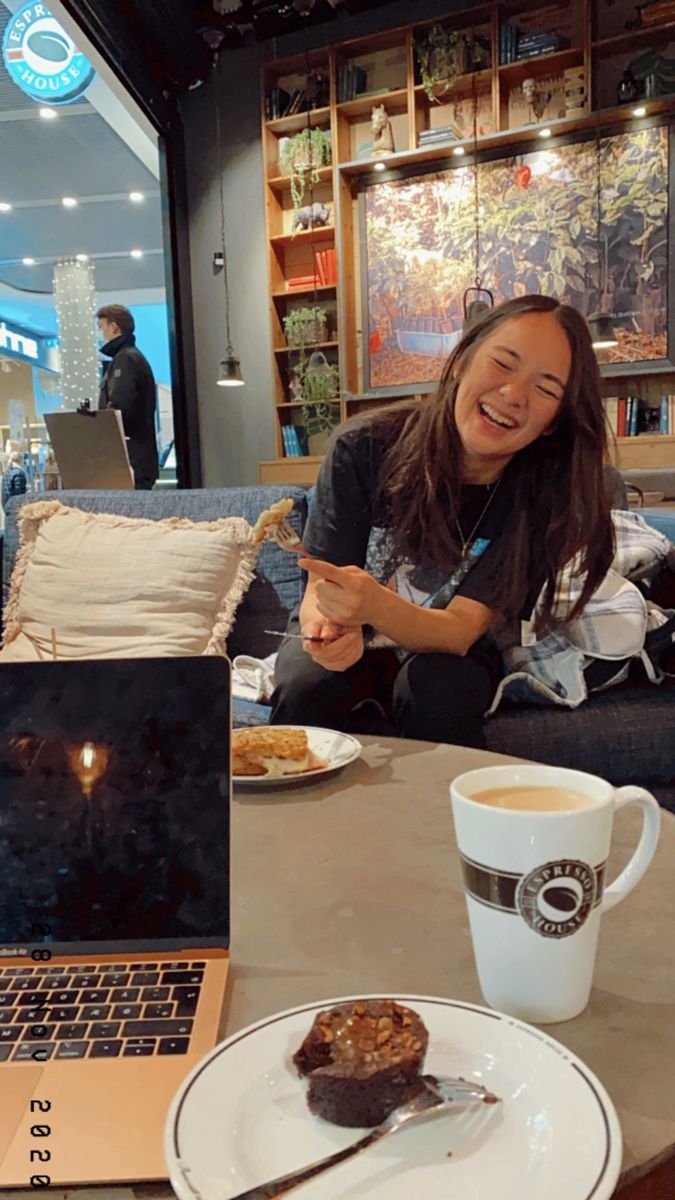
(48,114)
(136,253)
(5,207)
(303,7)
(545,133)
(458,150)
(69,202)
(379,166)
(136,197)
(28,262)
(82,257)
(640,111)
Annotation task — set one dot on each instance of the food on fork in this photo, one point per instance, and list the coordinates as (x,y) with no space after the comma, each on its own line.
(270,519)
(363,1059)
(272,750)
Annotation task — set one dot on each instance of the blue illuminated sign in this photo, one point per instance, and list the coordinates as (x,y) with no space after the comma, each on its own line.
(42,58)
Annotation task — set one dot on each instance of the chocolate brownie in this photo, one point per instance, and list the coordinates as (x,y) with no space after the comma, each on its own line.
(362,1059)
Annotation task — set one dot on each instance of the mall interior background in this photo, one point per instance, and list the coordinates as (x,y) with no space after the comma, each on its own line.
(95,151)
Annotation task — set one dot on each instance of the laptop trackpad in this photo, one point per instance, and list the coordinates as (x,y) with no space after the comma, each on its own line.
(18,1085)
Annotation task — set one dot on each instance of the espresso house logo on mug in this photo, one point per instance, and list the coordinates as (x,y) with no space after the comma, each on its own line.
(555,899)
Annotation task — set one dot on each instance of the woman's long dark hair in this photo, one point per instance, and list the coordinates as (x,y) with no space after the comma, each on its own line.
(560,475)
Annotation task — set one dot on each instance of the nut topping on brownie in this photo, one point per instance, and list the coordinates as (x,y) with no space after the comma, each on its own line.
(363,1059)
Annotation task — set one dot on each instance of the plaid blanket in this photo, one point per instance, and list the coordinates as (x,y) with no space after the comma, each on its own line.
(617,624)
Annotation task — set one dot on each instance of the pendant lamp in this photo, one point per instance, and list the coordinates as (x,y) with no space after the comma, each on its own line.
(476,300)
(600,324)
(230,370)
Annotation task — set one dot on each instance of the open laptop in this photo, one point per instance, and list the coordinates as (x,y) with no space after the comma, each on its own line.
(114,907)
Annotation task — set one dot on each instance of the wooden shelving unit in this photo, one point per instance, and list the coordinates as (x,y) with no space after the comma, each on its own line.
(593,39)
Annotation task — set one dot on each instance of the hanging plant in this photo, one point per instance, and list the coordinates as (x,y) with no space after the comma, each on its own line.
(302,157)
(318,390)
(445,54)
(305,326)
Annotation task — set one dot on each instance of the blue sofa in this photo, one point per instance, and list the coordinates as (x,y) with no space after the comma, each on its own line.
(626,734)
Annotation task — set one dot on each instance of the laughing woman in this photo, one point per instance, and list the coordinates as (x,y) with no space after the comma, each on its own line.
(435,521)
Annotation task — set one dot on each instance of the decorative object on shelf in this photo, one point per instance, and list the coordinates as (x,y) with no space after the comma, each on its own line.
(383,136)
(600,322)
(311,215)
(575,91)
(653,72)
(319,388)
(230,370)
(295,386)
(477,300)
(305,327)
(627,91)
(536,98)
(302,157)
(445,54)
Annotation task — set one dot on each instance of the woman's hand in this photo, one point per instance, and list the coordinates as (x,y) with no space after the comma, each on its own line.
(346,595)
(341,650)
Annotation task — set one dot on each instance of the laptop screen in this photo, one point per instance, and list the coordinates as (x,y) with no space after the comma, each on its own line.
(114,804)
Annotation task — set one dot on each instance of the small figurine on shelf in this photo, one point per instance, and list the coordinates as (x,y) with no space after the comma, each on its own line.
(383,137)
(536,99)
(295,386)
(627,91)
(311,216)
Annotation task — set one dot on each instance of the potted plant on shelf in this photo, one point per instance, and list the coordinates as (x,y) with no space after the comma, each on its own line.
(302,157)
(445,54)
(305,327)
(320,411)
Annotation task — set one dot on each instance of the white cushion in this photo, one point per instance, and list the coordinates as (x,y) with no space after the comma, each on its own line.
(108,586)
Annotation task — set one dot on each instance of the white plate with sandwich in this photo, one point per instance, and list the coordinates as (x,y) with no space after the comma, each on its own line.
(274,755)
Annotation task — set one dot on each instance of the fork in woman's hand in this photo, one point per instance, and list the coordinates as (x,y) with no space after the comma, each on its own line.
(283,533)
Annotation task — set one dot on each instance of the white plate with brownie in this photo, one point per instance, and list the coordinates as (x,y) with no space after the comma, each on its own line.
(288,1090)
(275,755)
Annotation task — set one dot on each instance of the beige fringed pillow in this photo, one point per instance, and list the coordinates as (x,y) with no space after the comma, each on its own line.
(107,586)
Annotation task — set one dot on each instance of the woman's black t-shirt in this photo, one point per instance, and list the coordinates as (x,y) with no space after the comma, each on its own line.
(346,527)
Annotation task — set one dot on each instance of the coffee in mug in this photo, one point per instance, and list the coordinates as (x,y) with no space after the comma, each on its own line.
(533,845)
(532,799)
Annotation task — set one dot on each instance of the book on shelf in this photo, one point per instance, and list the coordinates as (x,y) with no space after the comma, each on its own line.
(289,437)
(508,42)
(276,102)
(631,419)
(352,82)
(303,281)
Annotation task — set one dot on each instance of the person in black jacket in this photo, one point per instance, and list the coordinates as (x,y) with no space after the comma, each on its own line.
(129,385)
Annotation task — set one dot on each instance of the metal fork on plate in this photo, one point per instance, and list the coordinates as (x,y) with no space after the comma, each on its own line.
(437,1093)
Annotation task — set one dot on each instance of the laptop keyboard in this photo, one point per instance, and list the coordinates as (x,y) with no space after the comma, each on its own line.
(104,1010)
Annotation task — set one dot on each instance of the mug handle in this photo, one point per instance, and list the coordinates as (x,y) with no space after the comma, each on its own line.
(651,825)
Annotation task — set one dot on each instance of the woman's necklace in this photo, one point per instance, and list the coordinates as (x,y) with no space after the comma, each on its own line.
(466,541)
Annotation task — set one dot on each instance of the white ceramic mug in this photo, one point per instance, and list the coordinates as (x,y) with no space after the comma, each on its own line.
(534,885)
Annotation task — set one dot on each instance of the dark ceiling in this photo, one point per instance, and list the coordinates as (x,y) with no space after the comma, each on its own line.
(175,39)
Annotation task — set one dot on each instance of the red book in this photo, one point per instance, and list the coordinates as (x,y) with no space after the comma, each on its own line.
(332,255)
(320,267)
(302,281)
(621,417)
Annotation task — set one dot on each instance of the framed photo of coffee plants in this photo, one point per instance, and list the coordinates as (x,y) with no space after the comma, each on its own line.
(585,221)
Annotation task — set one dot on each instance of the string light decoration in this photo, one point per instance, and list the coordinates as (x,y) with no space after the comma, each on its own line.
(75,301)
